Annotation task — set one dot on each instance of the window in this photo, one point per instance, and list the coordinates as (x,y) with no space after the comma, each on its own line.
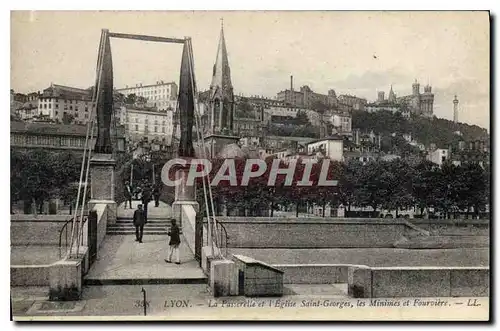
(57,112)
(70,107)
(156,129)
(136,127)
(163,130)
(57,106)
(45,106)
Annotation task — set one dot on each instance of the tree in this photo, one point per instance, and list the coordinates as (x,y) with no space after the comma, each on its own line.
(131,99)
(118,98)
(474,188)
(348,183)
(38,175)
(68,118)
(373,185)
(244,110)
(301,118)
(325,194)
(399,186)
(424,184)
(319,106)
(424,130)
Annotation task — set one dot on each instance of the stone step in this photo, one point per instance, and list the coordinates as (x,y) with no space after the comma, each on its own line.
(132,232)
(130,225)
(130,221)
(150,215)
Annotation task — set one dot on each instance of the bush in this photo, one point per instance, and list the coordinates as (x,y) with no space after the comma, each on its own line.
(66,293)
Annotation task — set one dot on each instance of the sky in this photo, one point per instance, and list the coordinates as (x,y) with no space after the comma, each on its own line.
(357,53)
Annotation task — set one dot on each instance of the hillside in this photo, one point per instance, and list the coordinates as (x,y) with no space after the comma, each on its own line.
(424,130)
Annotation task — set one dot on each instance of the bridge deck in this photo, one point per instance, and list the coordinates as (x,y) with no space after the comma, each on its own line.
(122,260)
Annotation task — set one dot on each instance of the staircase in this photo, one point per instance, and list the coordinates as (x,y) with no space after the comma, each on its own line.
(125,226)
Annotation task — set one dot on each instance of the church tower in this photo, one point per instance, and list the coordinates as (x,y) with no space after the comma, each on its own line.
(455,110)
(221,92)
(427,102)
(221,102)
(392,96)
(415,98)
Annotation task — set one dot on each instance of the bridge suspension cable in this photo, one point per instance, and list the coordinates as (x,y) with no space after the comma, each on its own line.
(78,223)
(212,225)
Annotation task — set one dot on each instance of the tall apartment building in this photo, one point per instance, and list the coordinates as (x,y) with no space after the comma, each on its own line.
(58,101)
(161,95)
(354,102)
(141,123)
(342,123)
(305,97)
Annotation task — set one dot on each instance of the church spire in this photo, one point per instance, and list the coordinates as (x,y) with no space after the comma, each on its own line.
(221,91)
(221,76)
(392,96)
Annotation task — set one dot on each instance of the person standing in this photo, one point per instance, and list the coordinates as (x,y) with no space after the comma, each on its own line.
(146,197)
(128,195)
(175,241)
(156,194)
(139,221)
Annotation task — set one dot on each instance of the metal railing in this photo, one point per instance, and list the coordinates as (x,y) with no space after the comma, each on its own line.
(222,240)
(64,230)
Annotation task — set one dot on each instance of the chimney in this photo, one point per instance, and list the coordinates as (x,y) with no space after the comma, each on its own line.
(291,83)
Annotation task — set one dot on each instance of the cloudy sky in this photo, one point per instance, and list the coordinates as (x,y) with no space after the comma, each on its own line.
(356,53)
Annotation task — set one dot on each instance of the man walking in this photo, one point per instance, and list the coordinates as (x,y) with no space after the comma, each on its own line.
(139,221)
(156,194)
(128,195)
(146,197)
(174,244)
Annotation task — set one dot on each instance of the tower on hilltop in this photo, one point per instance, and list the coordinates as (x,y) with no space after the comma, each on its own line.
(392,96)
(455,110)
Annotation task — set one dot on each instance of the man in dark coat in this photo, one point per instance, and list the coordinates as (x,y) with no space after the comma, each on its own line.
(128,195)
(175,241)
(146,197)
(139,221)
(156,194)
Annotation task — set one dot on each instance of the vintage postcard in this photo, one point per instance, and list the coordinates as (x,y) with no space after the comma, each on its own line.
(250,165)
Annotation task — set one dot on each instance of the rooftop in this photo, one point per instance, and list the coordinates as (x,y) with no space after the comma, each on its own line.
(49,128)
(300,140)
(333,137)
(61,91)
(161,83)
